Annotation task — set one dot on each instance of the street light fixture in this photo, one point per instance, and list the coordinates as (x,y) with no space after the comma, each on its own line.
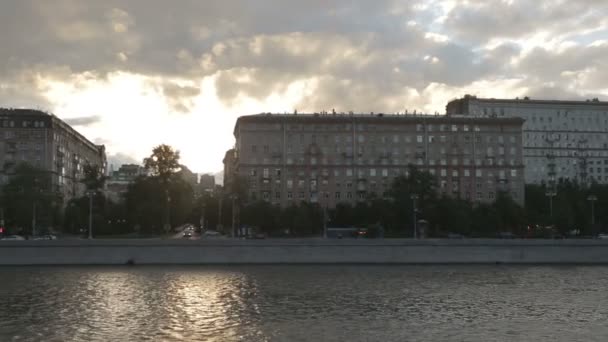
(414,198)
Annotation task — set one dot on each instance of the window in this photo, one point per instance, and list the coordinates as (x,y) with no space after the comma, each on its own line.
(289,195)
(277,195)
(384,173)
(454,128)
(513,173)
(454,173)
(349,172)
(444,172)
(419,138)
(372,172)
(467,173)
(349,195)
(337,195)
(266,173)
(301,195)
(478,173)
(465,128)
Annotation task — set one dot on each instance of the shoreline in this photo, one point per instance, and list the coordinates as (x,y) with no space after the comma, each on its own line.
(303,251)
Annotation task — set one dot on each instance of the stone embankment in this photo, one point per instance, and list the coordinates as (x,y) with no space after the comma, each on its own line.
(303,251)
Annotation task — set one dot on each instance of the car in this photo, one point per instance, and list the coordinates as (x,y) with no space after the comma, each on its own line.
(45,237)
(211,233)
(602,236)
(187,234)
(13,238)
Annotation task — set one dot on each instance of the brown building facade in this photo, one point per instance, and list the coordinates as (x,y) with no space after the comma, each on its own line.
(46,142)
(333,158)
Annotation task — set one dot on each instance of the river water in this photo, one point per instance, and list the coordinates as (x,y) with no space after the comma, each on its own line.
(304,303)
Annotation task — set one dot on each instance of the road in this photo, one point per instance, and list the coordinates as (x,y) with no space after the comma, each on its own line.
(182,229)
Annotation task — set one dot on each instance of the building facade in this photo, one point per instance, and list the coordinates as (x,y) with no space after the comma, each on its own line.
(561,139)
(333,158)
(118,182)
(206,183)
(45,141)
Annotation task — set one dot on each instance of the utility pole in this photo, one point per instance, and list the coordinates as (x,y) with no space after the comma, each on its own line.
(551,194)
(90,193)
(592,199)
(414,199)
(233,215)
(325,222)
(220,227)
(34,218)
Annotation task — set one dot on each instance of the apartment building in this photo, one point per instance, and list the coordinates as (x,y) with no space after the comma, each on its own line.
(561,139)
(333,158)
(118,182)
(45,141)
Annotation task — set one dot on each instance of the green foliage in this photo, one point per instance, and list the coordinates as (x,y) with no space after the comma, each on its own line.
(93,178)
(146,204)
(163,162)
(27,188)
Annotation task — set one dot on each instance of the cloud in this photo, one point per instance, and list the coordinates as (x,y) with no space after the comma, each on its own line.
(118,159)
(83,121)
(233,56)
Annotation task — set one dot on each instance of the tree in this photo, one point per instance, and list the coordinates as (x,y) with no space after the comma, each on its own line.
(415,182)
(163,163)
(30,200)
(93,178)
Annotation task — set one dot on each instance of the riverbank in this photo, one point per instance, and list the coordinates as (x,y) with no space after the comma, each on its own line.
(303,251)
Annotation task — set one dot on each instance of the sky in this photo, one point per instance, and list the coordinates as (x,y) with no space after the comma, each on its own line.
(132,74)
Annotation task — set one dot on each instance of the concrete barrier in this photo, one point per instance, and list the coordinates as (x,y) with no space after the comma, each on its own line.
(298,251)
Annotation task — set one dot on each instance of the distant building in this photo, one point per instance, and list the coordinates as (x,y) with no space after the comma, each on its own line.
(561,139)
(118,182)
(45,141)
(332,158)
(229,170)
(206,183)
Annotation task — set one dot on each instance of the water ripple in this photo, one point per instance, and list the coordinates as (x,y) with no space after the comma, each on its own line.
(303,303)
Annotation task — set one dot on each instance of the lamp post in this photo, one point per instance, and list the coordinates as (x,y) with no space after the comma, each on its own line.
(325,222)
(414,198)
(551,194)
(592,199)
(90,193)
(234,209)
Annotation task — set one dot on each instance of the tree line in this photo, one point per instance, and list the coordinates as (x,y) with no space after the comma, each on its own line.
(163,198)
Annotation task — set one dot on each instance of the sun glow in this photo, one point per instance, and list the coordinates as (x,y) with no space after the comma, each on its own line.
(135,115)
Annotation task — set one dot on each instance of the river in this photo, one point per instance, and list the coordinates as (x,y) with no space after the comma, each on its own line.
(304,303)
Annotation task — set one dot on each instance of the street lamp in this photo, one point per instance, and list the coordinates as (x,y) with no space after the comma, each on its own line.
(592,199)
(551,194)
(414,198)
(90,193)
